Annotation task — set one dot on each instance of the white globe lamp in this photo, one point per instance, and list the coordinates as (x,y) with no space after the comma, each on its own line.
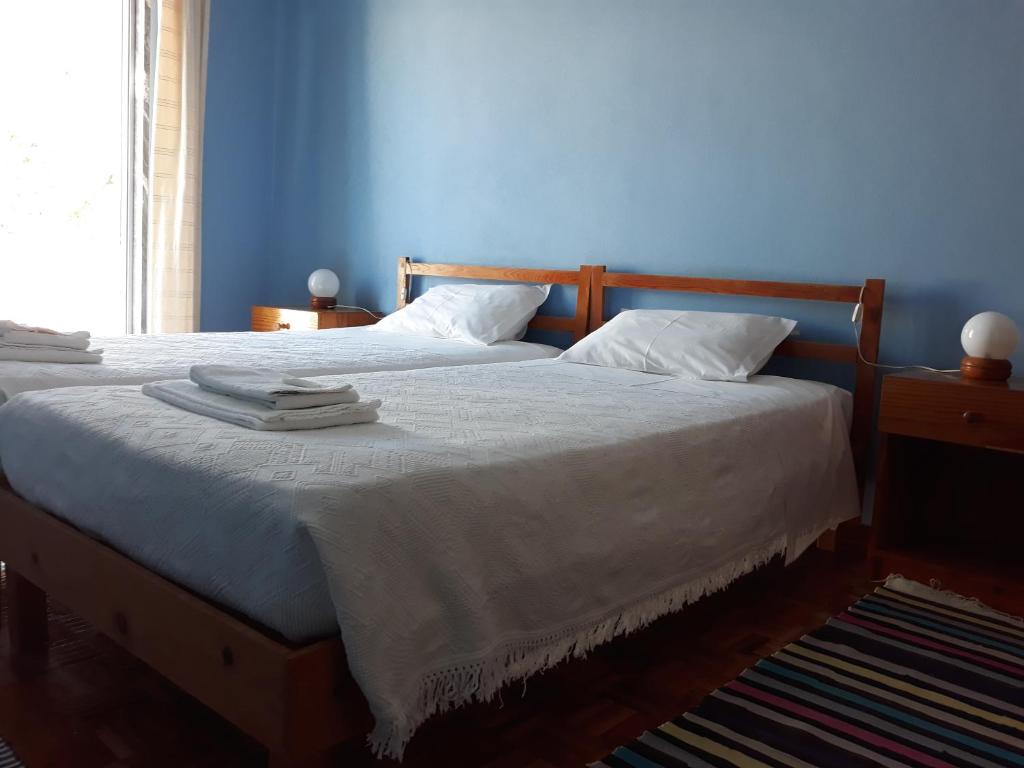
(323,287)
(989,339)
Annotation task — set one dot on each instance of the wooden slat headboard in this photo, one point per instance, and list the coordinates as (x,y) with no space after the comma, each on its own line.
(576,325)
(870,296)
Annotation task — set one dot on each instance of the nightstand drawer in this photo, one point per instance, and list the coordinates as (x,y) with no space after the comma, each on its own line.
(988,416)
(278,319)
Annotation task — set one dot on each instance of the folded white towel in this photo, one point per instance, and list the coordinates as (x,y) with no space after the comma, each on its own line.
(79,341)
(31,353)
(10,325)
(192,397)
(273,389)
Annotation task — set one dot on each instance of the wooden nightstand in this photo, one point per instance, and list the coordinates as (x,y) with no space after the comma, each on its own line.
(306,319)
(950,482)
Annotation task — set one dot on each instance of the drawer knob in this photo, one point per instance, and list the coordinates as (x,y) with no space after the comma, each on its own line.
(283,326)
(973,417)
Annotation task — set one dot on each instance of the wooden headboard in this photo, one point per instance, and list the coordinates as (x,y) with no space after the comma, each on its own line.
(576,325)
(870,296)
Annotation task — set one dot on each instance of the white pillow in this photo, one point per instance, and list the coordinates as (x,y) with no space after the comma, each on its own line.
(479,314)
(715,346)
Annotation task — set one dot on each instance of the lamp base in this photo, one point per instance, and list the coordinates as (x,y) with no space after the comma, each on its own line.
(985,369)
(323,302)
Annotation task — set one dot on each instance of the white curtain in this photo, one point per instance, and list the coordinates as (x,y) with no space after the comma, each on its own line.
(170,139)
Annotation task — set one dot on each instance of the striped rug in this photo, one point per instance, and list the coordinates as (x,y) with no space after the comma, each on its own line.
(7,757)
(907,676)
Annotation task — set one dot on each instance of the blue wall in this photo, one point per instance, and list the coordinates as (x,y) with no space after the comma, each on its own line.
(790,139)
(238,145)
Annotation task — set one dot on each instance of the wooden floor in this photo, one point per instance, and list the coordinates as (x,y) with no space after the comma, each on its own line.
(88,704)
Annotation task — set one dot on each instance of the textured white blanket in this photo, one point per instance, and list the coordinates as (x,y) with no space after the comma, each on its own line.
(498,519)
(141,359)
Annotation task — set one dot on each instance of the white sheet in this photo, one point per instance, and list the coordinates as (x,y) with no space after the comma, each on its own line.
(498,519)
(142,359)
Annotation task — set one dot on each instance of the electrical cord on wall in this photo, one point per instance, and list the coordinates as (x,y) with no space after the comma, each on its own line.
(858,312)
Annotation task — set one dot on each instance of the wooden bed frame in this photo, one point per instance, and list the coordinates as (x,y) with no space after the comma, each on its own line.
(870,296)
(576,326)
(299,701)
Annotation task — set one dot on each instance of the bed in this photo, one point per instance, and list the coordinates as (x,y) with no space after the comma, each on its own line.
(145,358)
(531,494)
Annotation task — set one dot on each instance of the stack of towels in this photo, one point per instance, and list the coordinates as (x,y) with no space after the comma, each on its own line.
(262,398)
(41,345)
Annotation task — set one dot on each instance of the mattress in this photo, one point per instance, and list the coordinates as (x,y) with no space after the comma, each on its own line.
(159,357)
(498,518)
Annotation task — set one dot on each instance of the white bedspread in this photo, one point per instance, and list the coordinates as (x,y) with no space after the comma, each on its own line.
(498,518)
(142,359)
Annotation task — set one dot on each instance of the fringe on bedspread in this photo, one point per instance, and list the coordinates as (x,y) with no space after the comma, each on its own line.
(481,680)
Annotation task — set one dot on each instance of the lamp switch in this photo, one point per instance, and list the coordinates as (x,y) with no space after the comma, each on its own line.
(858,313)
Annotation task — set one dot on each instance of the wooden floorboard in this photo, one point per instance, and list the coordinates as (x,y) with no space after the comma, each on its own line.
(88,704)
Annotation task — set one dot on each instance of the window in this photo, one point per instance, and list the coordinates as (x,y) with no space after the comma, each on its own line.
(64,153)
(100,163)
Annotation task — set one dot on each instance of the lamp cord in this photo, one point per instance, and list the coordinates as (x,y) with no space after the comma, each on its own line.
(361,309)
(857,324)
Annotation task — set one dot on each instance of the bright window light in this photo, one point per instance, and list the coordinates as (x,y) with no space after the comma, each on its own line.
(63,261)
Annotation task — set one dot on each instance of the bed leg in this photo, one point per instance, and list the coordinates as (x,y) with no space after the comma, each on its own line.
(827,541)
(26,615)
